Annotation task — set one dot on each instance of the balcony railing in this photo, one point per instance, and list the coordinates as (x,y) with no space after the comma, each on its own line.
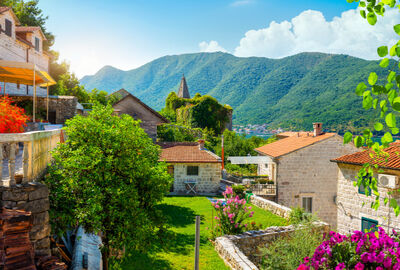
(28,154)
(263,189)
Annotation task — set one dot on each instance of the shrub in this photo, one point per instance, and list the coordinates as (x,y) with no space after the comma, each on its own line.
(239,190)
(107,178)
(372,250)
(12,118)
(298,216)
(231,214)
(285,253)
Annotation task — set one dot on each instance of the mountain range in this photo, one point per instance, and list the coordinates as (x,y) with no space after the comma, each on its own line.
(292,92)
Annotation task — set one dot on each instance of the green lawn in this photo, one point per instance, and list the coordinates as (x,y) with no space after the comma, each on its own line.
(178,252)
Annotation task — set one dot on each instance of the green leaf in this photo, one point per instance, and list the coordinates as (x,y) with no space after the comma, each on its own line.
(386,200)
(396,28)
(363,14)
(347,137)
(371,18)
(396,104)
(384,63)
(359,141)
(362,4)
(367,101)
(390,120)
(391,76)
(375,103)
(378,126)
(394,131)
(387,138)
(392,95)
(361,88)
(382,51)
(392,51)
(393,203)
(373,78)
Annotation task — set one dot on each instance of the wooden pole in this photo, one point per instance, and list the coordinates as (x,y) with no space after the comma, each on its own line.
(34,93)
(47,103)
(222,151)
(197,244)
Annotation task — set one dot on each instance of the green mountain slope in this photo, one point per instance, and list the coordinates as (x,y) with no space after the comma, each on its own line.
(290,92)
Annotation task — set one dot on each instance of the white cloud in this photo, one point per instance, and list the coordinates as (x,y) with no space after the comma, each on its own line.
(239,3)
(211,46)
(311,32)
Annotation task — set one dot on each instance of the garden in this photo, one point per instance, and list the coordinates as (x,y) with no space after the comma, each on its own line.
(176,251)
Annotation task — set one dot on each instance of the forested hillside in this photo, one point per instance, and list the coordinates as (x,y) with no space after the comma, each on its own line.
(290,92)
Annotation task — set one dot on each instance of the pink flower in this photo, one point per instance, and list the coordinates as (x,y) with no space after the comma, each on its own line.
(340,266)
(359,266)
(303,267)
(387,262)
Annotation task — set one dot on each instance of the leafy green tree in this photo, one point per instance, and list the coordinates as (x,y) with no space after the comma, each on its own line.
(381,94)
(107,178)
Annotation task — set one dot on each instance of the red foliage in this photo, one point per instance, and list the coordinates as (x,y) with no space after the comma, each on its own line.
(12,118)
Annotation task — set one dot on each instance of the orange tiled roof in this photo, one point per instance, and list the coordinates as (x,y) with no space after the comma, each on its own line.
(360,158)
(24,29)
(4,9)
(186,152)
(291,144)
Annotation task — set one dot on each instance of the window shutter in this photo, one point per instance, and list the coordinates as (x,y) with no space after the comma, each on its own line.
(8,28)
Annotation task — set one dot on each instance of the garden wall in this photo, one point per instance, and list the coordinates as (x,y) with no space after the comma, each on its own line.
(32,197)
(271,206)
(241,252)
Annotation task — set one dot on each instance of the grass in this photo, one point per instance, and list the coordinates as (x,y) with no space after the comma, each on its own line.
(178,252)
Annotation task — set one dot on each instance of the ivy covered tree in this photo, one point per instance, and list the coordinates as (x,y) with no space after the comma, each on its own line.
(381,94)
(107,178)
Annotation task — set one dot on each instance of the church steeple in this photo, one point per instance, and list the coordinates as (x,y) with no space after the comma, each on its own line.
(183,89)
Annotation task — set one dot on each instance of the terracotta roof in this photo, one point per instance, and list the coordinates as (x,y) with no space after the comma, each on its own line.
(4,9)
(30,29)
(291,144)
(186,152)
(360,158)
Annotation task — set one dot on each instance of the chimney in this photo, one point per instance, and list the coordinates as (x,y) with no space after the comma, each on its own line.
(201,144)
(317,129)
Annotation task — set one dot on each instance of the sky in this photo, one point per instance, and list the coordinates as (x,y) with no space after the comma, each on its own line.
(127,34)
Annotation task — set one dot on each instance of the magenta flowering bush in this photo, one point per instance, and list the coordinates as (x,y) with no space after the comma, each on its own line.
(231,214)
(360,251)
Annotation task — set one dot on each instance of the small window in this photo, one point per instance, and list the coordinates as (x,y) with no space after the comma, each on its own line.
(171,170)
(192,170)
(37,44)
(266,165)
(368,225)
(8,29)
(307,204)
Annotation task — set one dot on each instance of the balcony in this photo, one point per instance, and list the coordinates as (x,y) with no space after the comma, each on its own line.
(24,156)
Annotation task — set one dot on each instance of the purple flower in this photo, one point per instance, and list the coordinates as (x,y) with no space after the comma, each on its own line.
(359,266)
(387,262)
(340,266)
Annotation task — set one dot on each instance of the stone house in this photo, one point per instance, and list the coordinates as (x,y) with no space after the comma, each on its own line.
(131,105)
(303,174)
(21,44)
(354,211)
(190,161)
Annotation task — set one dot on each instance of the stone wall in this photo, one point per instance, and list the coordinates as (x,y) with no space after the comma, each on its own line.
(32,197)
(308,172)
(271,206)
(241,252)
(350,202)
(64,107)
(208,179)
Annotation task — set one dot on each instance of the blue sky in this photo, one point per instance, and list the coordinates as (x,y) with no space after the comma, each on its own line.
(127,34)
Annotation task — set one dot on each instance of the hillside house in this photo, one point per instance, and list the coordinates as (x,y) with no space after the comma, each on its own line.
(21,44)
(303,174)
(191,164)
(131,105)
(352,214)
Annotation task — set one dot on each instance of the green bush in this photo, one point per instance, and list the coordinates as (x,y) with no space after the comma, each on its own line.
(239,190)
(286,253)
(299,216)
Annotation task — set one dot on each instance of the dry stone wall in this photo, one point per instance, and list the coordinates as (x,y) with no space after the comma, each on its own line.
(32,197)
(271,206)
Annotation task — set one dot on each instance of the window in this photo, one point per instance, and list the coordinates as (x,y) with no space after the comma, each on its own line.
(192,170)
(266,165)
(171,170)
(369,225)
(307,204)
(8,29)
(37,44)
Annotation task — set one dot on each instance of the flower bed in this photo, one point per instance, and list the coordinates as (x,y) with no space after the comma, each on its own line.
(372,250)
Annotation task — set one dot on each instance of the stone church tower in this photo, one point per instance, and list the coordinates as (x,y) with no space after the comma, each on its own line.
(183,91)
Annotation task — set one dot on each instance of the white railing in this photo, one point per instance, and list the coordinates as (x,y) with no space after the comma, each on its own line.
(36,153)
